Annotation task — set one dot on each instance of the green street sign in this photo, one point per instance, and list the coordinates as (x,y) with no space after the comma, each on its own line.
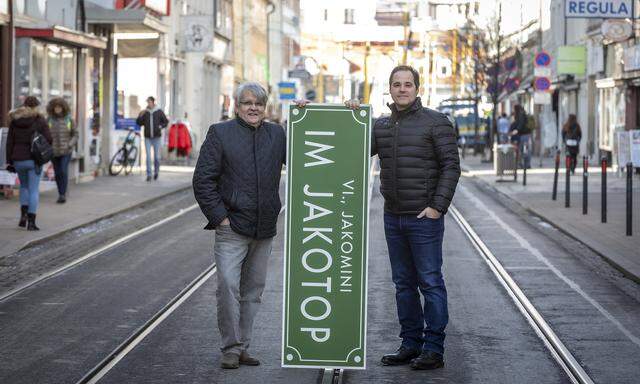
(572,60)
(326,244)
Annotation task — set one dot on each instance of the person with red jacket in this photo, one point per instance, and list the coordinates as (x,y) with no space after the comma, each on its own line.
(24,122)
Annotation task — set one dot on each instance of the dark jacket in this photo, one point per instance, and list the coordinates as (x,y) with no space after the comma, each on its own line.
(238,176)
(520,124)
(419,160)
(159,121)
(24,121)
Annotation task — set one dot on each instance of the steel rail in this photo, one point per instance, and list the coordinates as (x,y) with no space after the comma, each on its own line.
(558,350)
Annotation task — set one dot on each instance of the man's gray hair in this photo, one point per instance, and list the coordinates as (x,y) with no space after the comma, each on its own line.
(255,88)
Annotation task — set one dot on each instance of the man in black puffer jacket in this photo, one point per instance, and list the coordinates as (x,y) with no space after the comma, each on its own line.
(419,172)
(236,183)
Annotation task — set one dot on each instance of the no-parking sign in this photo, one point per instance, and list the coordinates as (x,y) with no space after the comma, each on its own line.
(542,83)
(543,59)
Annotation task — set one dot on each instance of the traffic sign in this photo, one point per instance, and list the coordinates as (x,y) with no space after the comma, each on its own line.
(543,59)
(542,83)
(325,271)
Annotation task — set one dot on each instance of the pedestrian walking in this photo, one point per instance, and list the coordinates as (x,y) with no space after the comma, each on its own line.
(521,134)
(236,183)
(25,122)
(419,172)
(65,137)
(153,120)
(503,129)
(571,136)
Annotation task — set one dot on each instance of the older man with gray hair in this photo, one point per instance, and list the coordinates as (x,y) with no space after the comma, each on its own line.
(236,183)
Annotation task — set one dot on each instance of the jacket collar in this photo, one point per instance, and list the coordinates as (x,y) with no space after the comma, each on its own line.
(22,112)
(247,125)
(417,105)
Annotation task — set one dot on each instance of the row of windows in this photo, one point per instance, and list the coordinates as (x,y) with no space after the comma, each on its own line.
(349,16)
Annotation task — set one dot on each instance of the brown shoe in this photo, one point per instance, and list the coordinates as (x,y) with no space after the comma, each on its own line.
(246,359)
(230,361)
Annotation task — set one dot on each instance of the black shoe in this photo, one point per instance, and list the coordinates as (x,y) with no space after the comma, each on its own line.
(61,199)
(155,177)
(31,222)
(148,178)
(23,216)
(428,360)
(404,355)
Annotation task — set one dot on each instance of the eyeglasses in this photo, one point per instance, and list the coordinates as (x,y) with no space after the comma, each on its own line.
(247,104)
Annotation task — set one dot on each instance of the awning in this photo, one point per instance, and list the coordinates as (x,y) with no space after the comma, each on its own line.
(65,36)
(125,20)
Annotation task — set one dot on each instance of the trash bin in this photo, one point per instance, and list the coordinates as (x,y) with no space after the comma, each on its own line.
(504,160)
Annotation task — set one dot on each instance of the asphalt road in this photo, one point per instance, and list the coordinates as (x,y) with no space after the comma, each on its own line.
(57,330)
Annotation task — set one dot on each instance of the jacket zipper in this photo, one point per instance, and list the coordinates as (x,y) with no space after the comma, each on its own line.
(395,160)
(255,163)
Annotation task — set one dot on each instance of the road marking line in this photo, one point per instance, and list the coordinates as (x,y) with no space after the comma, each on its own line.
(524,243)
(91,254)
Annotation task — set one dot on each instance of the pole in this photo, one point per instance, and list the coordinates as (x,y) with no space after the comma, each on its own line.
(567,188)
(405,22)
(554,195)
(366,74)
(629,199)
(525,151)
(494,120)
(585,186)
(604,189)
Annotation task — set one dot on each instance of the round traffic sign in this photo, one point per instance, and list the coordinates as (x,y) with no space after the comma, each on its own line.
(542,59)
(542,83)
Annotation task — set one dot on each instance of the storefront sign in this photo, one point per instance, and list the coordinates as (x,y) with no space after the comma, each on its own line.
(198,33)
(632,58)
(616,30)
(608,9)
(325,271)
(123,124)
(287,90)
(572,60)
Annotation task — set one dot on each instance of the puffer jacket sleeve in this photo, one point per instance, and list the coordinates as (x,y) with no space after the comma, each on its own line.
(206,180)
(446,149)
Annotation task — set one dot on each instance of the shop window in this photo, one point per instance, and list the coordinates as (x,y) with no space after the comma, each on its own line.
(37,70)
(54,68)
(349,16)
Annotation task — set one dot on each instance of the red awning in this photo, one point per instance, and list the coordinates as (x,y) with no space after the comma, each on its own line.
(64,36)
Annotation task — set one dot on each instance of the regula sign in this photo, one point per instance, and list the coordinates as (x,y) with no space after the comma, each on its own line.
(607,9)
(325,263)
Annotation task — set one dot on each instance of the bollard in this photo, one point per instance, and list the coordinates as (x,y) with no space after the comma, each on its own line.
(585,186)
(567,188)
(515,168)
(604,189)
(555,177)
(524,168)
(629,198)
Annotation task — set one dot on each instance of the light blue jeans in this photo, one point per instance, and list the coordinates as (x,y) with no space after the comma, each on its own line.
(29,175)
(155,142)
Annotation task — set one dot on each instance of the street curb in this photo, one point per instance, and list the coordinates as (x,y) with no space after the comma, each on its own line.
(631,276)
(34,242)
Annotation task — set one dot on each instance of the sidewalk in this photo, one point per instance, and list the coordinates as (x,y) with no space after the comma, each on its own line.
(608,239)
(86,203)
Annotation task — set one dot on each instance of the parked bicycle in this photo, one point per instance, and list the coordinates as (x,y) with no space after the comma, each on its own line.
(126,156)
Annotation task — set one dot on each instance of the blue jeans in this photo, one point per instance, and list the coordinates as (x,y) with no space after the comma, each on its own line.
(29,175)
(415,251)
(155,142)
(526,157)
(61,169)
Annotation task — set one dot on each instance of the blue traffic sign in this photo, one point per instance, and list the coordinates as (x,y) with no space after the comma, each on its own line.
(542,59)
(542,83)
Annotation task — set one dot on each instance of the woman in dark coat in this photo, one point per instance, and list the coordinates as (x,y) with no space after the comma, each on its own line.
(65,137)
(24,122)
(571,136)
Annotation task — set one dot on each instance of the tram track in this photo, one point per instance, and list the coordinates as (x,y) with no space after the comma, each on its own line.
(552,342)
